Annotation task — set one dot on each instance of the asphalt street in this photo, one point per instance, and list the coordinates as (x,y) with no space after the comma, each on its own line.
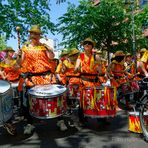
(94,135)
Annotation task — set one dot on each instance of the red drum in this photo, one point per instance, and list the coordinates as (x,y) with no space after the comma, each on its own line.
(6,101)
(134,122)
(47,101)
(129,87)
(99,102)
(73,92)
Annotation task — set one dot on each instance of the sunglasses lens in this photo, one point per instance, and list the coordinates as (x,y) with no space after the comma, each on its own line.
(87,43)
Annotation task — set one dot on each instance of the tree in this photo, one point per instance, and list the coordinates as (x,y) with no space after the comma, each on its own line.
(104,23)
(2,43)
(107,23)
(24,14)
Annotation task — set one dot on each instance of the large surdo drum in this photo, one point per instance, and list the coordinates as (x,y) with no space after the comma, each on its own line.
(47,101)
(6,101)
(99,102)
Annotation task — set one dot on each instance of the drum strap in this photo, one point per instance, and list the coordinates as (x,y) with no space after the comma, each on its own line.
(90,80)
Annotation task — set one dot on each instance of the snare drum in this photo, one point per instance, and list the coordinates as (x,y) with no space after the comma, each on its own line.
(6,101)
(47,101)
(99,102)
(73,92)
(134,122)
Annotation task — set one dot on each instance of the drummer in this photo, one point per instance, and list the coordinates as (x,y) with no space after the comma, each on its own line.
(71,77)
(116,70)
(10,66)
(86,65)
(130,66)
(36,59)
(101,65)
(61,68)
(9,71)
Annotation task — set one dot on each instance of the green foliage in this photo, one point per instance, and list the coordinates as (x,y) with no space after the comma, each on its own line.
(2,43)
(24,13)
(104,23)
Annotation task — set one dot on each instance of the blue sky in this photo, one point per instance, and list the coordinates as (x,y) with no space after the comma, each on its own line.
(56,12)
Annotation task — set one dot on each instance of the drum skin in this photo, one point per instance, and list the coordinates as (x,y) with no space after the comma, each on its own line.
(48,104)
(6,101)
(99,102)
(134,122)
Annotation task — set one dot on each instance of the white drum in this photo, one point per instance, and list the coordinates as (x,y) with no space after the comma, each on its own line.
(6,101)
(47,101)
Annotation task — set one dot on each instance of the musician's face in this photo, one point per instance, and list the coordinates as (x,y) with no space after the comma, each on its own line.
(88,46)
(34,35)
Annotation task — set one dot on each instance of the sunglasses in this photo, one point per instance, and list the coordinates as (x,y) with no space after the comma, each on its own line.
(88,43)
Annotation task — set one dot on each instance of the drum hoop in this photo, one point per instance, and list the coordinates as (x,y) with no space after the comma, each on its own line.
(47,97)
(98,87)
(8,88)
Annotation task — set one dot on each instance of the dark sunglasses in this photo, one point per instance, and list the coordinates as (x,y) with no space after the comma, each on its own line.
(88,43)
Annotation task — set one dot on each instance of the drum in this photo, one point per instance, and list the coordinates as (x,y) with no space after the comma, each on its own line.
(134,122)
(47,101)
(73,92)
(128,88)
(16,93)
(99,102)
(73,96)
(128,94)
(6,101)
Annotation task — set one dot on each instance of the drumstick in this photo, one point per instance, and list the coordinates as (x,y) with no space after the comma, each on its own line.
(18,37)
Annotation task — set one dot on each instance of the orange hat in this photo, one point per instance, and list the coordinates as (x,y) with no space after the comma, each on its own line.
(119,53)
(36,29)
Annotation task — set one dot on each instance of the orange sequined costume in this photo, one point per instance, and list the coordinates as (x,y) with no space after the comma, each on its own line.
(117,70)
(11,73)
(37,62)
(88,71)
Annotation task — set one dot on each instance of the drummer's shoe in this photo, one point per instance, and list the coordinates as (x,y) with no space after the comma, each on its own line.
(28,129)
(62,125)
(11,129)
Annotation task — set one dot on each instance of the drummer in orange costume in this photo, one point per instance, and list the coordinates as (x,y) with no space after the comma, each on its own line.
(61,68)
(37,59)
(101,66)
(9,66)
(116,70)
(72,78)
(86,65)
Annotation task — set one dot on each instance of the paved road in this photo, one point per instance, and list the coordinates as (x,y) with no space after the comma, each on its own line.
(96,135)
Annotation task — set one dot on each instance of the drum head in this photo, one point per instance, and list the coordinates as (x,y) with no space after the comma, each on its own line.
(47,90)
(4,86)
(14,84)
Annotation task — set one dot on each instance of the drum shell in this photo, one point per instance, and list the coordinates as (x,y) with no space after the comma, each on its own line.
(97,104)
(134,122)
(6,105)
(73,92)
(47,107)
